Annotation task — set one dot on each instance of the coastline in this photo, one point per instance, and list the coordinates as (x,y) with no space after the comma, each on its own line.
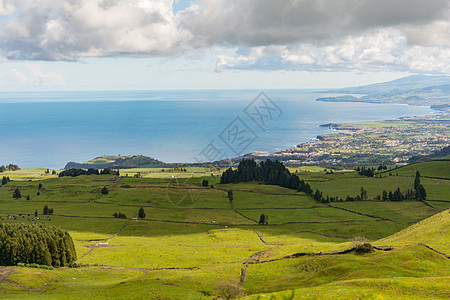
(357,138)
(437,106)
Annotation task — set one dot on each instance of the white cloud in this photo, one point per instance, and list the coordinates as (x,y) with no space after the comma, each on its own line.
(268,22)
(67,30)
(436,33)
(292,34)
(7,8)
(374,51)
(32,75)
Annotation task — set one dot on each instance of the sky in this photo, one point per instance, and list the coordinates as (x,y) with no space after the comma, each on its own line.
(219,44)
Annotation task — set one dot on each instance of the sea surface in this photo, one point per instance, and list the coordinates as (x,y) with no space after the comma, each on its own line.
(49,129)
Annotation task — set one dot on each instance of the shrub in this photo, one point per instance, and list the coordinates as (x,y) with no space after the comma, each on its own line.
(105,190)
(364,248)
(141,213)
(228,289)
(16,194)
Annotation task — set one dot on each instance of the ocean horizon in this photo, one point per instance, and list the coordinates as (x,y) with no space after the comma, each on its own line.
(49,129)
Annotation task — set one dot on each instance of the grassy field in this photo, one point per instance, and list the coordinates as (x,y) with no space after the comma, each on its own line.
(194,244)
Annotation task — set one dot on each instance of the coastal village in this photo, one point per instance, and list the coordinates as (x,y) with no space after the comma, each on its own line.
(394,142)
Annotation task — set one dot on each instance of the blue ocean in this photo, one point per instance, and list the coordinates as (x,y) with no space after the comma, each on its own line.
(49,129)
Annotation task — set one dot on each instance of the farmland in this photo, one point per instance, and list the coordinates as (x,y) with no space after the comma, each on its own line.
(368,143)
(193,244)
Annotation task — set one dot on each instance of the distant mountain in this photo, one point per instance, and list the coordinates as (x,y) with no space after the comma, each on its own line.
(396,86)
(118,162)
(414,90)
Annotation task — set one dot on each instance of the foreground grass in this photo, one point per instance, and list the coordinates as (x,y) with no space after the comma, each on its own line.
(193,242)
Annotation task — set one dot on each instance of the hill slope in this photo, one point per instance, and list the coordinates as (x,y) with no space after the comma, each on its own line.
(433,232)
(413,90)
(396,86)
(444,153)
(118,162)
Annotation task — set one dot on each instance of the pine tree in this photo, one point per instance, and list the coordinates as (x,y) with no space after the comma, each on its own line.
(16,194)
(262,219)
(230,196)
(141,213)
(363,194)
(105,190)
(384,197)
(417,180)
(420,193)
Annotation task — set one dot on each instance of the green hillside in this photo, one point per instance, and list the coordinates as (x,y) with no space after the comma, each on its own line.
(118,162)
(419,258)
(194,244)
(433,232)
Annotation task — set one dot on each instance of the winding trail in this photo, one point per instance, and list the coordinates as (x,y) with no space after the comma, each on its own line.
(111,237)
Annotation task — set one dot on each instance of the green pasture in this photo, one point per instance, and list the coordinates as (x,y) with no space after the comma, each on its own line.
(193,243)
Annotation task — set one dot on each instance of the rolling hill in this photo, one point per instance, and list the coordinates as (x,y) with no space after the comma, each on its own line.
(118,162)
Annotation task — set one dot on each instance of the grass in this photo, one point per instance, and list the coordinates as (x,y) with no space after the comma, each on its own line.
(433,231)
(322,270)
(187,249)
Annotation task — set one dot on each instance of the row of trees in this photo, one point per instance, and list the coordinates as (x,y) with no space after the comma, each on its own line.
(275,173)
(119,215)
(270,172)
(141,214)
(418,193)
(78,172)
(39,244)
(47,210)
(48,172)
(9,167)
(263,219)
(369,172)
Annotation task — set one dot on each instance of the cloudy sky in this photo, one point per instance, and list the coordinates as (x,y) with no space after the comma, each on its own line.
(194,44)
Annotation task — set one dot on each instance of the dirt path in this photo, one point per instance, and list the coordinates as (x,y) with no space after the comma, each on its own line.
(111,237)
(124,225)
(243,274)
(4,273)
